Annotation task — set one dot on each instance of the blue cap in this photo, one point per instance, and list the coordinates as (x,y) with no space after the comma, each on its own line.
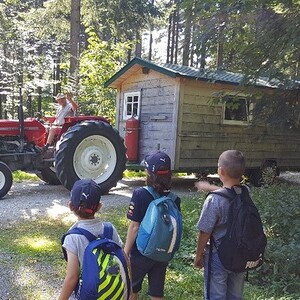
(157,162)
(85,191)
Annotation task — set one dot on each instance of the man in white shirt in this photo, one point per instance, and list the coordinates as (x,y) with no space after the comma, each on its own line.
(67,108)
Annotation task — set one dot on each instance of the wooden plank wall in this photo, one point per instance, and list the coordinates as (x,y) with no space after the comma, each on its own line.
(158,117)
(202,136)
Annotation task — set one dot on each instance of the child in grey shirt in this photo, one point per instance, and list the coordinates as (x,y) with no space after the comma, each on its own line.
(84,203)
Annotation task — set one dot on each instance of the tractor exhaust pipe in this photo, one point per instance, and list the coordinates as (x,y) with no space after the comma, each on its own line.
(21,121)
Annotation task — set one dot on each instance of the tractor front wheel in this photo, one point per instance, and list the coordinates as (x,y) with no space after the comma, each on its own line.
(91,149)
(6,179)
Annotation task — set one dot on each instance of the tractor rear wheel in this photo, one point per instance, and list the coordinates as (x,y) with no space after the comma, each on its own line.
(6,179)
(91,149)
(49,175)
(265,175)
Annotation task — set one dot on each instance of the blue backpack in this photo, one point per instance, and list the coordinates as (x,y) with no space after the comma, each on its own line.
(104,271)
(160,231)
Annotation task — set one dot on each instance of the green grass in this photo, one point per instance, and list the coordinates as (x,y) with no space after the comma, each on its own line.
(31,250)
(37,243)
(19,176)
(134,174)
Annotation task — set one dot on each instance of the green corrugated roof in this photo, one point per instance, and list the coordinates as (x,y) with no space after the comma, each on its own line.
(192,73)
(217,76)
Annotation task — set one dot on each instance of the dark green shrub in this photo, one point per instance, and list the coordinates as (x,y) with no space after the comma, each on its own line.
(280,212)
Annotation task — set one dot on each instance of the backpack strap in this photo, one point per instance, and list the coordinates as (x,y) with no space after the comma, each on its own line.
(76,230)
(228,194)
(151,191)
(209,269)
(155,195)
(172,196)
(82,231)
(108,231)
(224,192)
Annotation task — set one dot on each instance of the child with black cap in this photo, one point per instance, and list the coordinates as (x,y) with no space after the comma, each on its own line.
(84,203)
(159,175)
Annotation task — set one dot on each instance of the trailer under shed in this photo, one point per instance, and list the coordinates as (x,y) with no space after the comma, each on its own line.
(195,115)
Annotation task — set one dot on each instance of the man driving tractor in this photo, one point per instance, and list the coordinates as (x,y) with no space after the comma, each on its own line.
(67,108)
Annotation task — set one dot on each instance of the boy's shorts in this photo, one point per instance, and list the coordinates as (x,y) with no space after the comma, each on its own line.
(156,271)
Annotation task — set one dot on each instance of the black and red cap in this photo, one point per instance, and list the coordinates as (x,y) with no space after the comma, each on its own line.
(157,162)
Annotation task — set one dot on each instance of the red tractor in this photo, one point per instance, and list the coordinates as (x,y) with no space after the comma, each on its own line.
(87,147)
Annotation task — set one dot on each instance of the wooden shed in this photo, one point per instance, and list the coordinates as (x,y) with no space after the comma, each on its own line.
(177,113)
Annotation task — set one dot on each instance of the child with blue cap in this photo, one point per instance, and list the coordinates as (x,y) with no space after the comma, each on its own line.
(159,177)
(84,203)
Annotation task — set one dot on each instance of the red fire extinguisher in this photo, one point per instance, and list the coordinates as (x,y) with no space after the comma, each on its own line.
(132,139)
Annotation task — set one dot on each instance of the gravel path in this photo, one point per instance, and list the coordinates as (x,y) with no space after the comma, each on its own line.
(28,200)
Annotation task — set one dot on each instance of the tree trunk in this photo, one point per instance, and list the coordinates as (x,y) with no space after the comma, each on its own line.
(187,40)
(1,109)
(56,74)
(297,67)
(169,40)
(39,88)
(151,39)
(150,45)
(173,37)
(138,44)
(220,53)
(203,55)
(75,43)
(129,53)
(220,47)
(176,20)
(39,100)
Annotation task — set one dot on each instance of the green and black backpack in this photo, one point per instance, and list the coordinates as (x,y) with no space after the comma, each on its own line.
(104,271)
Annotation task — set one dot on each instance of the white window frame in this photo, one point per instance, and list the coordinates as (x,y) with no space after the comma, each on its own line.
(249,108)
(127,115)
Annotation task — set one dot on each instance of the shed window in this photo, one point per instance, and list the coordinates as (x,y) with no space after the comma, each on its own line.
(131,105)
(236,110)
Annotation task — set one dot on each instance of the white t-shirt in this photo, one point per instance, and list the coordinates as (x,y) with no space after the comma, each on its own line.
(63,111)
(76,243)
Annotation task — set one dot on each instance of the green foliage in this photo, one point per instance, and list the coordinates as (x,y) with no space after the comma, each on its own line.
(271,110)
(98,63)
(257,37)
(24,65)
(35,38)
(120,20)
(279,207)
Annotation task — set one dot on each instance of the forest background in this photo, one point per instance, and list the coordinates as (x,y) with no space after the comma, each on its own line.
(55,46)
